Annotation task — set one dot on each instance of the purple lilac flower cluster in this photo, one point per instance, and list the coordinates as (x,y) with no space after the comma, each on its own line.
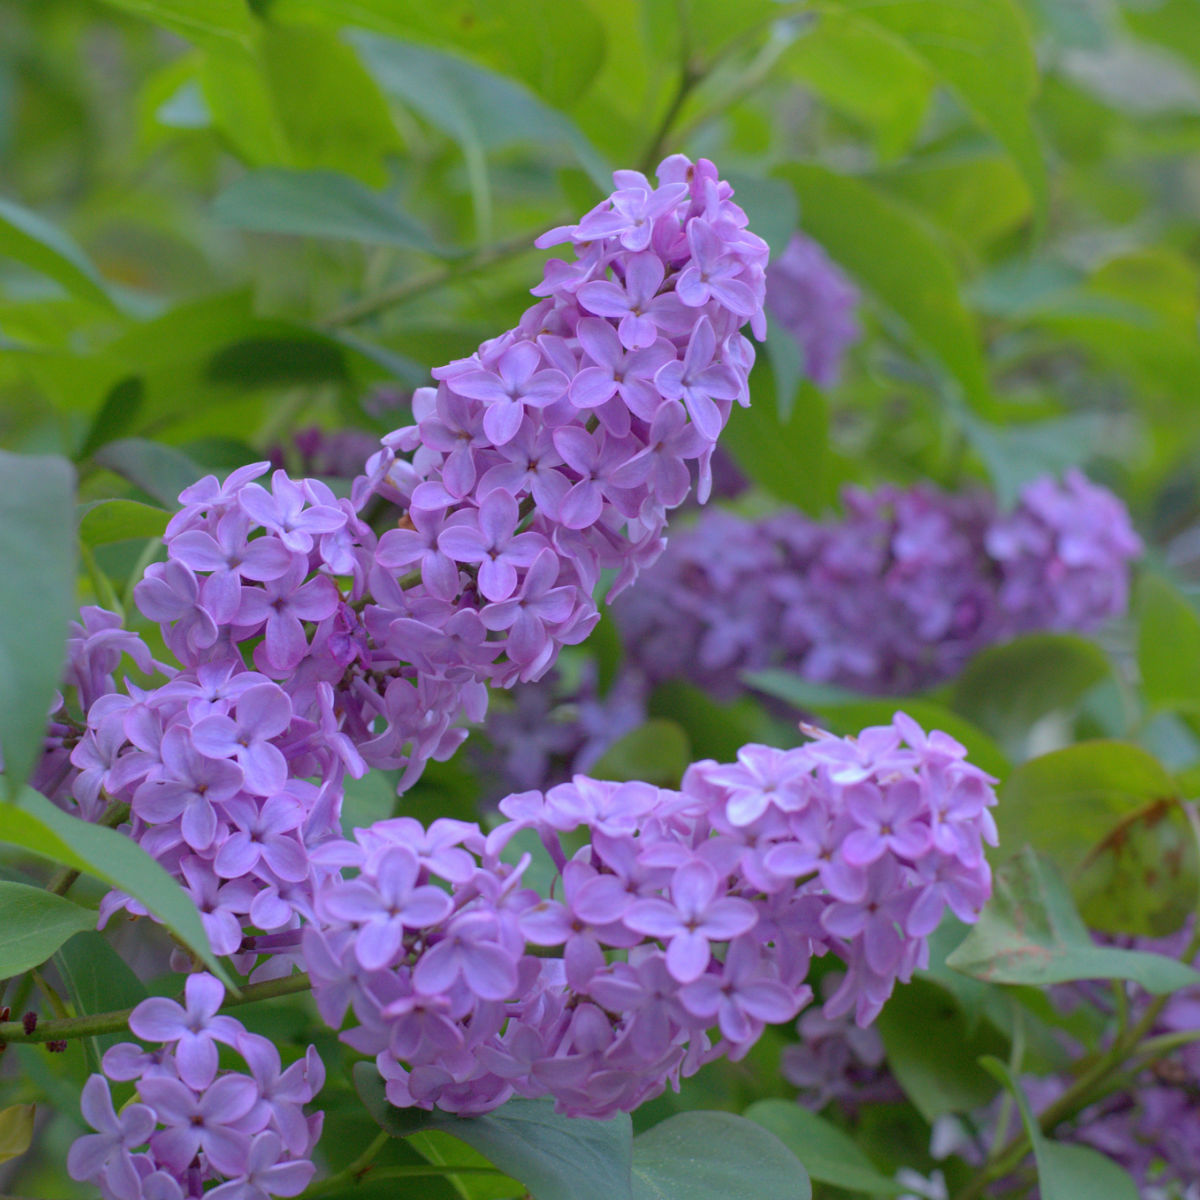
(193,1124)
(814,301)
(310,647)
(714,897)
(553,453)
(895,596)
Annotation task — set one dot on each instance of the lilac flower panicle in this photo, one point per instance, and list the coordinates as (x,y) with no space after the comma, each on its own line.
(309,645)
(896,596)
(718,896)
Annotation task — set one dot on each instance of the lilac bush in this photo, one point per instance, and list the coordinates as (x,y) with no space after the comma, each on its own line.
(312,646)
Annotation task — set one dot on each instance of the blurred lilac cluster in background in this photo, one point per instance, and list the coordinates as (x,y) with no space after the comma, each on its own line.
(895,596)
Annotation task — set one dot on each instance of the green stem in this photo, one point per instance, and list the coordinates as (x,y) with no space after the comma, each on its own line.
(1131,1053)
(114,1022)
(1155,1048)
(690,74)
(349,1174)
(54,999)
(1015,1059)
(745,85)
(1091,1086)
(407,289)
(1076,1097)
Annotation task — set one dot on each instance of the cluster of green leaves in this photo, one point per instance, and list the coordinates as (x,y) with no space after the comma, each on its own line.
(222,221)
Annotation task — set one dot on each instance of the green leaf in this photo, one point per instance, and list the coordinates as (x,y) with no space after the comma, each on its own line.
(1016,455)
(1005,689)
(715,1156)
(716,730)
(317,204)
(16,1130)
(867,73)
(1030,932)
(657,752)
(105,521)
(446,1151)
(847,712)
(713,24)
(787,359)
(880,243)
(37,587)
(1171,24)
(99,980)
(983,51)
(786,454)
(275,354)
(555,1157)
(331,111)
(829,1154)
(234,90)
(160,471)
(34,242)
(116,416)
(33,924)
(201,21)
(478,108)
(1106,813)
(933,1050)
(556,49)
(974,193)
(1168,646)
(36,825)
(1137,312)
(1065,1172)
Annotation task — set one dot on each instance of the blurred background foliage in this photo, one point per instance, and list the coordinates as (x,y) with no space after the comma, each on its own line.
(226,221)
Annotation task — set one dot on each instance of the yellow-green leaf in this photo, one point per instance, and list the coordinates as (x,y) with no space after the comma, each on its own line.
(16,1130)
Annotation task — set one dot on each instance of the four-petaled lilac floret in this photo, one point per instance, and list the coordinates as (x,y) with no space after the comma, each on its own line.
(694,917)
(195,1029)
(384,910)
